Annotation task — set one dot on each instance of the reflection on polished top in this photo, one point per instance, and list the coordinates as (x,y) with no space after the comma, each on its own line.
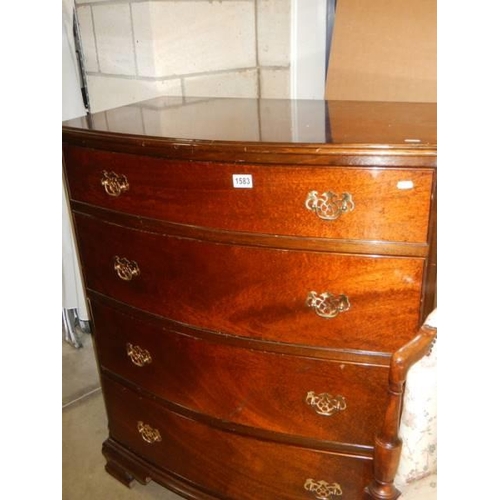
(270,121)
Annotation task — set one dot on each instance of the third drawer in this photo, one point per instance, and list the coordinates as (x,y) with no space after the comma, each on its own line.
(291,395)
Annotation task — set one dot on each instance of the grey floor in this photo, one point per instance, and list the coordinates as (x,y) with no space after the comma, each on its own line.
(84,428)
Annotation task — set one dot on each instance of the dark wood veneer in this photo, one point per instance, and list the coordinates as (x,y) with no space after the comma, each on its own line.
(216,311)
(257,293)
(239,385)
(231,465)
(201,193)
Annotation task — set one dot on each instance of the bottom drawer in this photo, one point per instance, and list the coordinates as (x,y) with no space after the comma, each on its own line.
(228,465)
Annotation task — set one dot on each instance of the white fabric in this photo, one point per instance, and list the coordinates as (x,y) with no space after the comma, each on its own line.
(425,489)
(432,319)
(72,287)
(418,429)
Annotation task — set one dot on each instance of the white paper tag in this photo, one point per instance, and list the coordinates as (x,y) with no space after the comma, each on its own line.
(243,181)
(405,184)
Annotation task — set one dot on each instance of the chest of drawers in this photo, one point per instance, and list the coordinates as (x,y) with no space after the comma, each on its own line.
(251,267)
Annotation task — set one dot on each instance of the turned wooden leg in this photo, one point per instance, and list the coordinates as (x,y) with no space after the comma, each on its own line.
(387,451)
(387,443)
(386,460)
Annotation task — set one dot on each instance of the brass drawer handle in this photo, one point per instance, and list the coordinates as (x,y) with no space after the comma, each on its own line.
(126,269)
(138,356)
(324,404)
(323,490)
(329,205)
(147,433)
(327,305)
(114,184)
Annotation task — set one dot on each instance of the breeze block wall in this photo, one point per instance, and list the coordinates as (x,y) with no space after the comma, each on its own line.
(136,49)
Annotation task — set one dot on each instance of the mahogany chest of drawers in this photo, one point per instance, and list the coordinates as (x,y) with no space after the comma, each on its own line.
(251,267)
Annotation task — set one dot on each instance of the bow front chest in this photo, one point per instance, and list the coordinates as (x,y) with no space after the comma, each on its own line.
(251,266)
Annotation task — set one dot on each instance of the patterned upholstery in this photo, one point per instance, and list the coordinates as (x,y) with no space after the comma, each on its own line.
(423,489)
(416,477)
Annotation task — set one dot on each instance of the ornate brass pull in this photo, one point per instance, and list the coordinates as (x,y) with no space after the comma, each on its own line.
(329,205)
(324,404)
(114,184)
(138,356)
(147,433)
(323,490)
(125,268)
(327,305)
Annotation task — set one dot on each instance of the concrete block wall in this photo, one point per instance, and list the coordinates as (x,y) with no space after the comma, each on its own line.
(139,49)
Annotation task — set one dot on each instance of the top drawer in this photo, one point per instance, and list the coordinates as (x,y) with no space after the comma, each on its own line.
(312,201)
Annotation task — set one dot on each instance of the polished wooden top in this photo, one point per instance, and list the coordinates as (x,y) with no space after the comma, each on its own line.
(328,123)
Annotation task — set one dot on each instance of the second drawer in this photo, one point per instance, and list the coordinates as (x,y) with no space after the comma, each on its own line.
(297,297)
(279,393)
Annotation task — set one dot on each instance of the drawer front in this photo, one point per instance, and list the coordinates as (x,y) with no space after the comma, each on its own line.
(229,466)
(379,204)
(321,399)
(280,295)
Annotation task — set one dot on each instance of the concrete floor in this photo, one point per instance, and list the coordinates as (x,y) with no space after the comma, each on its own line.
(84,428)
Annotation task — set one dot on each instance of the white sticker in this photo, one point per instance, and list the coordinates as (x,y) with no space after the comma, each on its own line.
(405,184)
(243,181)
